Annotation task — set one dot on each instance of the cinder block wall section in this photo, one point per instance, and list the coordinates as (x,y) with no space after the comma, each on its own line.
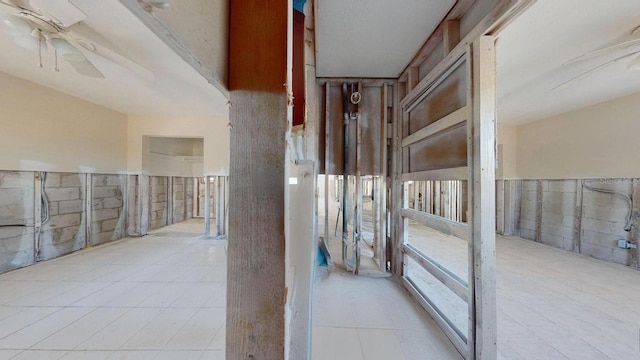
(159,204)
(64,232)
(587,216)
(59,204)
(17,233)
(108,215)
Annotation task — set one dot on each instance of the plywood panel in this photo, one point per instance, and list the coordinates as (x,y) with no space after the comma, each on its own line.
(371,122)
(443,151)
(447,97)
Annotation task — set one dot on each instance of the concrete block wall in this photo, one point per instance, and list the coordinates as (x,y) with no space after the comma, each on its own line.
(16,208)
(604,217)
(179,200)
(114,212)
(108,217)
(558,213)
(158,201)
(528,208)
(65,231)
(575,218)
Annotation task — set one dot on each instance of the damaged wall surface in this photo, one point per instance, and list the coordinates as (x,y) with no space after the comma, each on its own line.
(47,215)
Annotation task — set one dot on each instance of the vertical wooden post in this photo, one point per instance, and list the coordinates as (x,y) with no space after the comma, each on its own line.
(259,63)
(413,77)
(482,206)
(327,89)
(88,218)
(450,35)
(500,206)
(512,197)
(170,216)
(207,207)
(635,229)
(37,213)
(539,198)
(577,233)
(143,205)
(397,188)
(219,196)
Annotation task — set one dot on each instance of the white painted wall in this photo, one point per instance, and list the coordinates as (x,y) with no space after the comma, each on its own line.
(214,130)
(599,141)
(45,130)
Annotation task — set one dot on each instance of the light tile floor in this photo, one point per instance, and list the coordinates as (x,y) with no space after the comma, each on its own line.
(163,296)
(551,303)
(158,297)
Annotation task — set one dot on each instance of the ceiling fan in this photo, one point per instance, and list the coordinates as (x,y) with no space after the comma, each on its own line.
(40,25)
(624,50)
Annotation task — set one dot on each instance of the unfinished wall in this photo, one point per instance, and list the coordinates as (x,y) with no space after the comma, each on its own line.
(214,130)
(44,129)
(598,141)
(108,217)
(179,199)
(64,232)
(586,216)
(158,201)
(16,242)
(113,214)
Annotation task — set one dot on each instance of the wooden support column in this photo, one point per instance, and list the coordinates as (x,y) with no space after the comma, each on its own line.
(635,229)
(170,215)
(143,205)
(500,206)
(482,207)
(207,207)
(259,57)
(450,35)
(512,198)
(577,233)
(413,77)
(37,213)
(539,193)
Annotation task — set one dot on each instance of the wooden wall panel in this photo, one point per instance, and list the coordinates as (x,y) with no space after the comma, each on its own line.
(444,151)
(372,113)
(446,98)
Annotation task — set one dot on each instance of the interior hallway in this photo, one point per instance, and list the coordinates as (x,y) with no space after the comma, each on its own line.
(163,296)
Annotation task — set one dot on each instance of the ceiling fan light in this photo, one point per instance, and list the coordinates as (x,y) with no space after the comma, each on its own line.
(28,42)
(66,50)
(15,25)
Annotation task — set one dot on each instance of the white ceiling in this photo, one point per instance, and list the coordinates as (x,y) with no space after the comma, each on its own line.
(176,90)
(532,49)
(373,38)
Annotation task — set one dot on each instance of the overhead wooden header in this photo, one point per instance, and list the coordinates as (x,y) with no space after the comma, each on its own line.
(258,45)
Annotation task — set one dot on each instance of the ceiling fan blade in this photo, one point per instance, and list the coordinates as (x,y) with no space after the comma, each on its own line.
(61,12)
(86,68)
(598,52)
(92,46)
(8,8)
(635,64)
(592,70)
(23,4)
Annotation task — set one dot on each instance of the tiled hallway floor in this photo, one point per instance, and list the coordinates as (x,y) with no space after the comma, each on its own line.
(158,297)
(163,297)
